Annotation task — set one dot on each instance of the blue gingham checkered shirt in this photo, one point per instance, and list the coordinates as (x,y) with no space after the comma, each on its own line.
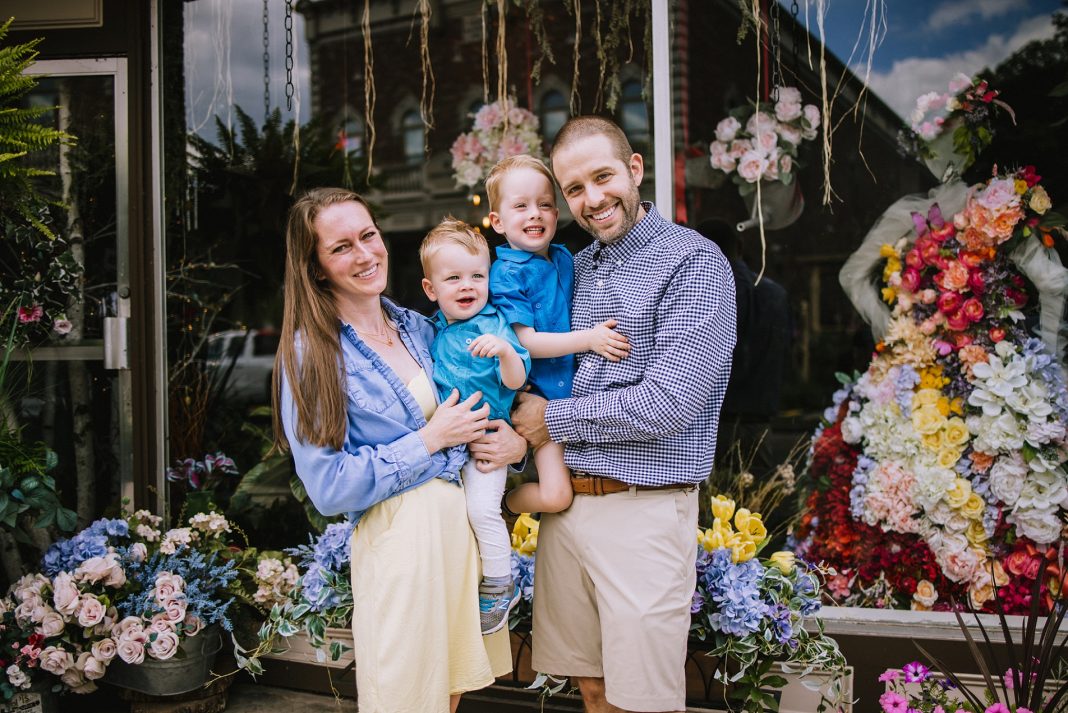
(651,418)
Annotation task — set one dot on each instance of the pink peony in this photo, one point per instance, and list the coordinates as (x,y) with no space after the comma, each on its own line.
(972,309)
(998,195)
(789,134)
(752,166)
(949,302)
(720,158)
(489,116)
(910,279)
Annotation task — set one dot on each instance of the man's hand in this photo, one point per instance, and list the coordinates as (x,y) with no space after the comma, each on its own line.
(500,446)
(528,419)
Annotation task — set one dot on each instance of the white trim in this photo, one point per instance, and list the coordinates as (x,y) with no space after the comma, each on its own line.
(907,624)
(158,305)
(663,150)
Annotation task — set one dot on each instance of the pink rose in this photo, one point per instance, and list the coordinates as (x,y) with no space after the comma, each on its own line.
(129,627)
(720,158)
(913,259)
(74,679)
(55,660)
(760,121)
(957,321)
(752,166)
(93,668)
(138,552)
(174,610)
(164,646)
(131,651)
(727,129)
(765,141)
(65,595)
(789,134)
(91,611)
(192,625)
(739,148)
(976,283)
(168,586)
(812,116)
(928,296)
(1000,194)
(160,624)
(788,111)
(105,649)
(786,164)
(1017,297)
(51,625)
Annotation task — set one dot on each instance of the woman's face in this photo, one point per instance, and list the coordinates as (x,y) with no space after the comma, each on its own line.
(351,253)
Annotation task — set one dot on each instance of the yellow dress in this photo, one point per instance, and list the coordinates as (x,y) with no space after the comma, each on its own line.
(415,573)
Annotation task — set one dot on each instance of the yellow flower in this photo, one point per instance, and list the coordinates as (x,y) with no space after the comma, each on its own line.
(943,406)
(889,294)
(973,508)
(525,534)
(955,432)
(957,406)
(750,525)
(926,595)
(932,378)
(959,493)
(742,551)
(1039,202)
(976,533)
(932,441)
(784,561)
(927,419)
(948,457)
(1021,186)
(926,397)
(723,508)
(887,250)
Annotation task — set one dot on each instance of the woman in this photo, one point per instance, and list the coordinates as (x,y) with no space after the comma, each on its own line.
(354,403)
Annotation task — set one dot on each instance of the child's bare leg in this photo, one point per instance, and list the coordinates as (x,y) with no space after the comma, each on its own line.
(552,492)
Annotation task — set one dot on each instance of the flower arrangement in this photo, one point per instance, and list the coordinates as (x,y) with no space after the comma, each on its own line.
(205,481)
(966,111)
(758,142)
(501,129)
(524,545)
(941,470)
(321,597)
(122,588)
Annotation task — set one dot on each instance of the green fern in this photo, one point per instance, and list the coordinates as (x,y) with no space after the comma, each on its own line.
(21,133)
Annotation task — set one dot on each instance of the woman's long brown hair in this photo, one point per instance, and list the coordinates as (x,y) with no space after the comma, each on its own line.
(315,378)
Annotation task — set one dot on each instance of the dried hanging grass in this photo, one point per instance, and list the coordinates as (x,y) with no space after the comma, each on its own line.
(426,101)
(368,85)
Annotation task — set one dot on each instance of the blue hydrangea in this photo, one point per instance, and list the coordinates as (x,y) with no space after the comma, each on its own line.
(735,589)
(859,490)
(905,379)
(332,549)
(523,574)
(781,626)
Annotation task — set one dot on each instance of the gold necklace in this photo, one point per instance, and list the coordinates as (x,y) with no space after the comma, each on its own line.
(378,336)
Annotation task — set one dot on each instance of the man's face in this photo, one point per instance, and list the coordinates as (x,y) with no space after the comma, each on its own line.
(601,190)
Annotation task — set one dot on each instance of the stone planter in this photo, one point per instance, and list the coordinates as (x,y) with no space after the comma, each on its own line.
(187,671)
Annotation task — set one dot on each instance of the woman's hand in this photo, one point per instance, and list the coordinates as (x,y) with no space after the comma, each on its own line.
(455,422)
(498,448)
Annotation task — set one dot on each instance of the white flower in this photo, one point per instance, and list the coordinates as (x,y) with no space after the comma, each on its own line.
(17,677)
(212,523)
(1041,526)
(1007,478)
(1042,491)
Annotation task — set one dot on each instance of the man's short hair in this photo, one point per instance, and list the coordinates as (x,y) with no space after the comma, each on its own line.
(580,127)
(498,172)
(450,231)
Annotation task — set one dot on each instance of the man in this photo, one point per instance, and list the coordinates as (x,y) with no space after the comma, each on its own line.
(760,358)
(615,573)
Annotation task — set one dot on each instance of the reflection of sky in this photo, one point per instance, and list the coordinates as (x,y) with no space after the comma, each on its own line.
(926,43)
(224,62)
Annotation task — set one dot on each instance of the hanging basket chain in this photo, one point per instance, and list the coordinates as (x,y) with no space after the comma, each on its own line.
(289,55)
(794,41)
(266,65)
(775,41)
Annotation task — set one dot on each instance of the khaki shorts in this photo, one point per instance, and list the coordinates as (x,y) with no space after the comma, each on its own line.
(613,583)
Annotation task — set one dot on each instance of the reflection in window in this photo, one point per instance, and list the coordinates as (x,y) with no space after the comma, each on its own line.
(412,130)
(350,137)
(553,114)
(634,118)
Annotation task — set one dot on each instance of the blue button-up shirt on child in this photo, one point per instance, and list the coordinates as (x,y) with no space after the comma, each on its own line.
(456,368)
(536,292)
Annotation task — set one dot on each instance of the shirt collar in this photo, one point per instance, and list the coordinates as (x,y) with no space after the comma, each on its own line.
(441,322)
(510,254)
(636,238)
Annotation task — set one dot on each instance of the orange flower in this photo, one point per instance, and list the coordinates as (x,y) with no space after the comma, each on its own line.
(1047,239)
(981,462)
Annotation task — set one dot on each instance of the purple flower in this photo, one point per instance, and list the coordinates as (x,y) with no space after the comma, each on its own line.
(915,672)
(697,603)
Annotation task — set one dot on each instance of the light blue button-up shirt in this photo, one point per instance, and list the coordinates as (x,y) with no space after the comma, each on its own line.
(383,454)
(455,368)
(536,292)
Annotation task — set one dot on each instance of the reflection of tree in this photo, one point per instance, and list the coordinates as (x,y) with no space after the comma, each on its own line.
(225,258)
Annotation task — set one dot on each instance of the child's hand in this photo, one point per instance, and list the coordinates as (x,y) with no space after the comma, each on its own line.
(489,345)
(607,342)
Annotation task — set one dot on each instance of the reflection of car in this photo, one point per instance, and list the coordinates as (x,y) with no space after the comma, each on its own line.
(245,359)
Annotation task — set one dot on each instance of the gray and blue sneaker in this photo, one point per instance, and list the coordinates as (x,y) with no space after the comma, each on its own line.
(494,604)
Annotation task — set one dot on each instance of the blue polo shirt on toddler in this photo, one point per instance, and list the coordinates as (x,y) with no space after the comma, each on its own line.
(456,368)
(531,290)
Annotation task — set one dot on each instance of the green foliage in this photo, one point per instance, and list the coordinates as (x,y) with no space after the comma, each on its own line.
(27,487)
(21,133)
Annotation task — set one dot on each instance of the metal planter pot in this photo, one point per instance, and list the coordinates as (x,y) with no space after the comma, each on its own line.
(187,671)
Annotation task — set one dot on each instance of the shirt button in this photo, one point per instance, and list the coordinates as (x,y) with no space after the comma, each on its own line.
(467,341)
(537,305)
(559,383)
(619,262)
(600,283)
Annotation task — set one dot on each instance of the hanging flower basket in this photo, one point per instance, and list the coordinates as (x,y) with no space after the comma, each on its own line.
(780,205)
(500,130)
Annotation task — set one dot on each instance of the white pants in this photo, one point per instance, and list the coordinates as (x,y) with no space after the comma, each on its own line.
(484,492)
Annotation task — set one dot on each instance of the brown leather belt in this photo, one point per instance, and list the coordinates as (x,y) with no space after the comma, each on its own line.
(586,484)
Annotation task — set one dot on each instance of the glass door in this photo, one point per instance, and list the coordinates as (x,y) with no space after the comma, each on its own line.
(71,387)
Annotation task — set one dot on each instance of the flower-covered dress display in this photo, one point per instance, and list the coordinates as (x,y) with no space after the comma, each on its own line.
(940,471)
